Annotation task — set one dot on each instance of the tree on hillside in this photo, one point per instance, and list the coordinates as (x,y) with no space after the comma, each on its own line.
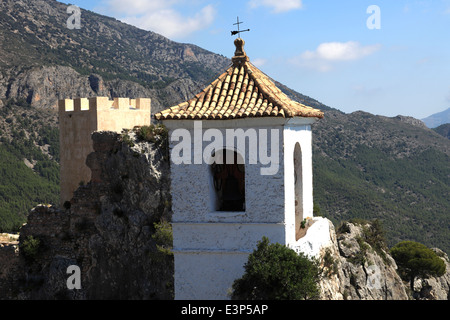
(275,272)
(416,260)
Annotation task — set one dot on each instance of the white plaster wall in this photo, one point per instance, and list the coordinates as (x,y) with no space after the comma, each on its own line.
(317,237)
(224,236)
(297,130)
(207,275)
(211,247)
(192,188)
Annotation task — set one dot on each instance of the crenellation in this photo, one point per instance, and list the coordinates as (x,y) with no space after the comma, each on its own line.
(103,103)
(99,103)
(80,104)
(65,105)
(121,103)
(143,104)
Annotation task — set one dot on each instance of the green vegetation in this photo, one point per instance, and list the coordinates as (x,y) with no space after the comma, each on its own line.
(20,190)
(30,247)
(153,133)
(163,237)
(23,187)
(443,130)
(275,272)
(416,260)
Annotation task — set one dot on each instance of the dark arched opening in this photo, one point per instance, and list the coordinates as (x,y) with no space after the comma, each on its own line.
(229,181)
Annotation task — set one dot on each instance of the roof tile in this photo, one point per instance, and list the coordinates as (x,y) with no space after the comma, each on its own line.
(241,91)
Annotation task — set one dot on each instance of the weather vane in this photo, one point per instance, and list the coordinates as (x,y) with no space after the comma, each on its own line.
(238,32)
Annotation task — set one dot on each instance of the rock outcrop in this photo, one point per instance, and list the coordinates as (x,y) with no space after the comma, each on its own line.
(115,229)
(434,288)
(357,266)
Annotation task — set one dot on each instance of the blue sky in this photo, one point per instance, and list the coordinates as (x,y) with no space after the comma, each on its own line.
(320,48)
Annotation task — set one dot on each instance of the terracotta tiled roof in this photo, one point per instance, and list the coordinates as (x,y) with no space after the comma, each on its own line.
(241,91)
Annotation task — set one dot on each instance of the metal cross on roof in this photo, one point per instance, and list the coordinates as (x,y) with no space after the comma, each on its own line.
(238,32)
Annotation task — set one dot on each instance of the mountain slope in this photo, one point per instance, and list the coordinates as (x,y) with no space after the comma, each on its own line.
(29,155)
(443,130)
(368,166)
(33,33)
(437,119)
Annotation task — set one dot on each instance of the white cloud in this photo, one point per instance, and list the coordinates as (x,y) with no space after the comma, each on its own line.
(134,7)
(340,51)
(329,53)
(277,6)
(366,91)
(161,16)
(259,62)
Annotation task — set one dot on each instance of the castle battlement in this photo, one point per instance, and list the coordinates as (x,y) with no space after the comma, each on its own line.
(79,118)
(103,103)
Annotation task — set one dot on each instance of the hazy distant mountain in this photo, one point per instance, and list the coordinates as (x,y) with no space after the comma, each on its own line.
(365,166)
(437,119)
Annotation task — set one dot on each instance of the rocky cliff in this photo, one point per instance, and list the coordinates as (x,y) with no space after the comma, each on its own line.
(43,86)
(115,229)
(357,266)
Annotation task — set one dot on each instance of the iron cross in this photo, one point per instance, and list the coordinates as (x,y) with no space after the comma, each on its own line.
(238,32)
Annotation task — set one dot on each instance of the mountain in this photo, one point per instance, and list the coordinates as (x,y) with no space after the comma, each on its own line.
(437,119)
(375,167)
(443,130)
(42,60)
(365,166)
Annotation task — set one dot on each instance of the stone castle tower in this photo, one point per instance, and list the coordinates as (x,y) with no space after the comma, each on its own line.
(80,117)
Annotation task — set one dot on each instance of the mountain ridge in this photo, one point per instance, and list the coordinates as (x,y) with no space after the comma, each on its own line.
(103,46)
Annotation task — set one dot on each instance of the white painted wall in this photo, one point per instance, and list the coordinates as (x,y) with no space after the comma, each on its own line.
(206,275)
(297,130)
(192,186)
(211,247)
(317,237)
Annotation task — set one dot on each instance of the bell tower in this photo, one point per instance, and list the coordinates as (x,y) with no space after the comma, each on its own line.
(241,169)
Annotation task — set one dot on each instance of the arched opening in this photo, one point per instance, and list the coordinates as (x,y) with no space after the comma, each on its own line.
(298,189)
(228,172)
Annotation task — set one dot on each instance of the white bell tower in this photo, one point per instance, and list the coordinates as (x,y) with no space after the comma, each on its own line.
(241,169)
